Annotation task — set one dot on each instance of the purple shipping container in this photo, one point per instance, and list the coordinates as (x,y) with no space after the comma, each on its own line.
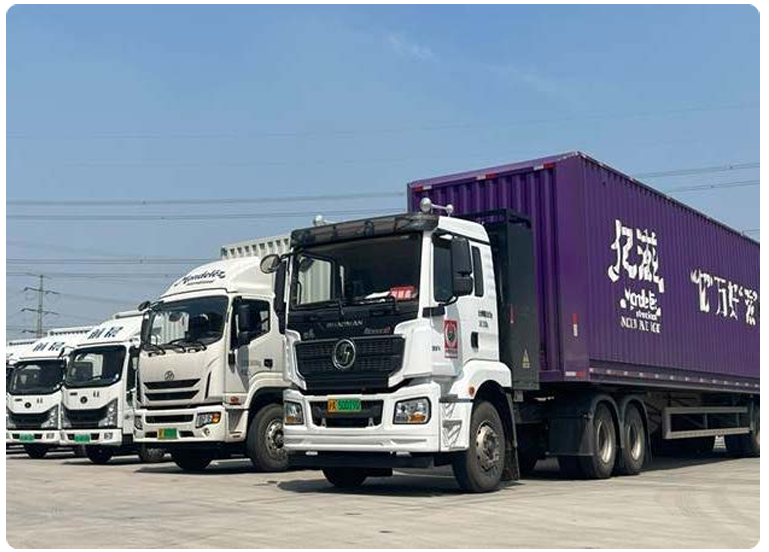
(633,286)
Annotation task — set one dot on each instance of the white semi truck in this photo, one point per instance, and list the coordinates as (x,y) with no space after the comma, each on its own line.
(33,401)
(98,393)
(211,364)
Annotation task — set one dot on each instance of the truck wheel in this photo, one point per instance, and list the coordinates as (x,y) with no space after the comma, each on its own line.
(479,468)
(264,443)
(99,455)
(345,478)
(36,451)
(151,455)
(600,464)
(192,460)
(749,444)
(632,456)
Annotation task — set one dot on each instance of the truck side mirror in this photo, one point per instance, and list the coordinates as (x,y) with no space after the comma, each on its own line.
(461,266)
(144,334)
(270,263)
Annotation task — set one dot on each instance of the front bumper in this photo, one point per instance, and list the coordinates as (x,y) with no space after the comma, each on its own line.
(105,437)
(384,437)
(48,436)
(155,426)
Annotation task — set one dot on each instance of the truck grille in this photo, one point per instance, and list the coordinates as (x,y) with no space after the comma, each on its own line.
(167,391)
(85,419)
(168,419)
(175,396)
(28,421)
(376,359)
(369,415)
(173,384)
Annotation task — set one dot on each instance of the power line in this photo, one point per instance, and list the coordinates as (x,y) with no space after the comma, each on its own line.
(716,186)
(96,275)
(142,261)
(328,132)
(699,170)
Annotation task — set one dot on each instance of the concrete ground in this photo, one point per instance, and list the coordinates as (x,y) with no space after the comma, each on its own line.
(66,502)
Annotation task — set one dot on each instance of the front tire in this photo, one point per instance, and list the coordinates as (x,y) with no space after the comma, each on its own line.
(633,454)
(151,455)
(99,455)
(479,468)
(36,452)
(345,478)
(192,460)
(264,443)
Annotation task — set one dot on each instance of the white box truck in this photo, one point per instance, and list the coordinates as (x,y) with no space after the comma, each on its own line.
(211,364)
(99,385)
(33,417)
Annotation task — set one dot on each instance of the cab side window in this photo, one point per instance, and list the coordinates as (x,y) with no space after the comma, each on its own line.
(261,312)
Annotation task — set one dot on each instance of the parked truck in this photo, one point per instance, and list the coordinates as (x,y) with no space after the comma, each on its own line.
(13,349)
(98,392)
(549,308)
(211,364)
(33,417)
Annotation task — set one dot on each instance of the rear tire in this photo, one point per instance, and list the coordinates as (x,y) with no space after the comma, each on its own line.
(479,468)
(600,464)
(345,478)
(36,452)
(99,455)
(192,460)
(151,455)
(633,454)
(264,444)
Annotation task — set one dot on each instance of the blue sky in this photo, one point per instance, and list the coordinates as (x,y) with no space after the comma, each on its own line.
(142,102)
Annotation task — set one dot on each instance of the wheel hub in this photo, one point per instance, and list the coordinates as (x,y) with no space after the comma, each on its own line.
(274,438)
(487,447)
(605,447)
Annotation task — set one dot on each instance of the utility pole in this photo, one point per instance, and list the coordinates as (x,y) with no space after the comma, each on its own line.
(40,310)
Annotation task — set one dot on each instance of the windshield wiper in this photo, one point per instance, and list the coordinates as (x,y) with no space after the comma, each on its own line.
(194,342)
(152,348)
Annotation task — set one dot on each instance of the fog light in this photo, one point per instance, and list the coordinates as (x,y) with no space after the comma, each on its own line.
(138,424)
(206,432)
(50,435)
(412,411)
(293,413)
(108,436)
(207,418)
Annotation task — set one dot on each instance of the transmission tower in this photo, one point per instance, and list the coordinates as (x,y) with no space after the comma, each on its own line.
(40,310)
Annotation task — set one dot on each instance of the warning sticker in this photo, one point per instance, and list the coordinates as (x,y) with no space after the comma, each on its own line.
(526,363)
(450,338)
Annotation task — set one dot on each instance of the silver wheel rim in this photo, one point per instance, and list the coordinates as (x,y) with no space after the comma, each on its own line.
(487,447)
(274,438)
(635,442)
(605,444)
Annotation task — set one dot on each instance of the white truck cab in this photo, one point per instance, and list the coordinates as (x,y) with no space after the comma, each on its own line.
(33,416)
(13,350)
(99,384)
(211,366)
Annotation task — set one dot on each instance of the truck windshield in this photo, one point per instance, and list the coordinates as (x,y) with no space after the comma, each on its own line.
(372,270)
(95,367)
(198,320)
(40,377)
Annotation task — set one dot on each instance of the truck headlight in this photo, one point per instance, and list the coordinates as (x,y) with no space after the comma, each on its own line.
(53,418)
(207,418)
(110,417)
(412,411)
(293,414)
(8,422)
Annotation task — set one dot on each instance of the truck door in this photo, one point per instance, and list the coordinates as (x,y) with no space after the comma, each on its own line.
(262,352)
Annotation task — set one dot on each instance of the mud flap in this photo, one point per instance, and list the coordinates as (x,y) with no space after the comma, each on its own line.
(511,470)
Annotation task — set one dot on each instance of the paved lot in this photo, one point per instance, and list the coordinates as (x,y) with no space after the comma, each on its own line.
(67,502)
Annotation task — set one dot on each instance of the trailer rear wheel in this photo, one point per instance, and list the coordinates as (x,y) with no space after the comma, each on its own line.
(192,460)
(36,451)
(264,443)
(747,445)
(479,468)
(345,478)
(600,464)
(99,455)
(633,454)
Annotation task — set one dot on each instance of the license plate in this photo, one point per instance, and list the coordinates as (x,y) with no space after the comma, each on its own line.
(170,433)
(82,438)
(344,405)
(26,437)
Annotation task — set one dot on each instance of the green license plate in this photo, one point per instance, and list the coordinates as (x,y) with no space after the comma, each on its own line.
(26,437)
(344,405)
(82,438)
(170,433)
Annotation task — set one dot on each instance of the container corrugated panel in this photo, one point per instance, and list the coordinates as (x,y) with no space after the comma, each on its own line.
(632,285)
(259,247)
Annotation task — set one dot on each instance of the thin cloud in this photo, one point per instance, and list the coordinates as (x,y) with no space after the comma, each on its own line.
(537,82)
(406,47)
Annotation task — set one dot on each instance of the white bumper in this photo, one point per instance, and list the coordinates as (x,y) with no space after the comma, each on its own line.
(382,437)
(48,436)
(104,437)
(152,426)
